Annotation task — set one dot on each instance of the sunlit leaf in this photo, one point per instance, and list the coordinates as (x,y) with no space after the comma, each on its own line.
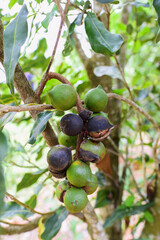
(29,179)
(129,201)
(6,118)
(39,125)
(138,4)
(122,211)
(119,91)
(53,223)
(111,71)
(8,98)
(39,1)
(49,17)
(101,40)
(11,3)
(70,42)
(15,35)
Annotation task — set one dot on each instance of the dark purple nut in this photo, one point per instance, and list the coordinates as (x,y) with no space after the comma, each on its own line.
(99,126)
(59,158)
(71,124)
(85,114)
(58,174)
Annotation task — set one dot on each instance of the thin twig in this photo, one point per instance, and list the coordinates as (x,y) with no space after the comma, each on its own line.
(17,165)
(9,223)
(45,76)
(35,107)
(126,166)
(138,120)
(59,8)
(135,183)
(108,15)
(22,204)
(135,106)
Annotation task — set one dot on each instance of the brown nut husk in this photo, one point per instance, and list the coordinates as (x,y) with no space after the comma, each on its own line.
(92,151)
(58,174)
(99,126)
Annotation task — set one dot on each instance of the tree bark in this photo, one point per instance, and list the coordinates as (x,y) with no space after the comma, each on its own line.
(152,229)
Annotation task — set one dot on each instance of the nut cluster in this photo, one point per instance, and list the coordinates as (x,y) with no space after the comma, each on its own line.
(92,128)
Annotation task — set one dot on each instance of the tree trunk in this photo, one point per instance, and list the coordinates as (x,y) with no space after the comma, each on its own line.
(152,230)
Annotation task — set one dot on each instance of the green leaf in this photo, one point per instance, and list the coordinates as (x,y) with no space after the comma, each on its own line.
(100,39)
(3,146)
(29,179)
(143,93)
(49,17)
(8,98)
(20,2)
(101,179)
(81,86)
(32,201)
(110,71)
(158,36)
(101,199)
(119,91)
(53,223)
(138,4)
(3,153)
(11,3)
(122,211)
(106,1)
(148,216)
(70,43)
(6,118)
(15,35)
(11,209)
(39,1)
(129,201)
(39,125)
(42,47)
(156,5)
(2,190)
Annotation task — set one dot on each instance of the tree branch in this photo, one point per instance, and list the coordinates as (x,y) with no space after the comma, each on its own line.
(22,204)
(36,107)
(27,94)
(96,228)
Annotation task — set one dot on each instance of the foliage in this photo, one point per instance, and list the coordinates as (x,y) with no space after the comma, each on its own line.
(24,164)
